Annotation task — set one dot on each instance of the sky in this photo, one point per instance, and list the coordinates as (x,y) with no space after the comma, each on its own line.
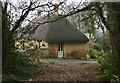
(55,1)
(44,1)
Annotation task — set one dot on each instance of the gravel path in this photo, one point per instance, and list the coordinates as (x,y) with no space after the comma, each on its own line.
(67,61)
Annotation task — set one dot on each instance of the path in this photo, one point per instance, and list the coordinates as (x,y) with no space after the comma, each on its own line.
(68,70)
(67,61)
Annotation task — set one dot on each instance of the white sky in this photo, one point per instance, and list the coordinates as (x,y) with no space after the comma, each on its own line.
(53,1)
(45,1)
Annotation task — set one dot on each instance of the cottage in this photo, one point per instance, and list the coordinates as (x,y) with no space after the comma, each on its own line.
(60,37)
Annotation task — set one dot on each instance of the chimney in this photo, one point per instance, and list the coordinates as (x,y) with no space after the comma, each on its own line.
(38,13)
(55,7)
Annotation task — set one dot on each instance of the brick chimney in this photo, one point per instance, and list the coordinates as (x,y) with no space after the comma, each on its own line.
(55,8)
(38,13)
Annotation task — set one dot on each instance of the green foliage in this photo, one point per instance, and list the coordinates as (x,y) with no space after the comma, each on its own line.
(104,77)
(94,54)
(29,72)
(95,45)
(18,65)
(88,57)
(48,56)
(74,55)
(34,54)
(91,54)
(115,79)
(12,61)
(52,54)
(8,78)
(23,73)
(106,62)
(44,57)
(105,42)
(106,66)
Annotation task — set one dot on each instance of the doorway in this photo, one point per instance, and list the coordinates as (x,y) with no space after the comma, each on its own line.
(61,51)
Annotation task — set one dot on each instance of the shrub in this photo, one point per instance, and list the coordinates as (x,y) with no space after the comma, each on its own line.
(11,62)
(94,54)
(52,54)
(115,79)
(74,55)
(18,64)
(106,66)
(45,56)
(103,77)
(95,46)
(48,56)
(91,54)
(88,57)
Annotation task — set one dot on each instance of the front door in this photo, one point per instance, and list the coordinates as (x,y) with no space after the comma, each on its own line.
(60,50)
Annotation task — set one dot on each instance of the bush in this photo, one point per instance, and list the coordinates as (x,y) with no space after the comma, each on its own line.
(94,54)
(104,77)
(105,60)
(115,79)
(11,62)
(106,66)
(23,73)
(88,57)
(52,54)
(18,65)
(73,55)
(95,46)
(47,56)
(91,54)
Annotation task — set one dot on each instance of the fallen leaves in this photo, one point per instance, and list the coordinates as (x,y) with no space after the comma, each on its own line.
(68,72)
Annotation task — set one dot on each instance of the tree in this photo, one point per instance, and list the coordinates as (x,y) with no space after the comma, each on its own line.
(113,26)
(12,23)
(114,29)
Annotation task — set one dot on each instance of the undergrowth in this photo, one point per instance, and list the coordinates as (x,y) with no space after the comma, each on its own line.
(18,66)
(105,67)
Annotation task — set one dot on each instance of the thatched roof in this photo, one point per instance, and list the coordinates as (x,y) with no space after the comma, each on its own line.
(59,31)
(28,31)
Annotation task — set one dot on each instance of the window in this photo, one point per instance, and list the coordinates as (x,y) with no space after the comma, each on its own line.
(43,45)
(40,44)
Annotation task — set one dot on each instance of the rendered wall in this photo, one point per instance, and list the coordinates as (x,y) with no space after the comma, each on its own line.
(53,48)
(79,48)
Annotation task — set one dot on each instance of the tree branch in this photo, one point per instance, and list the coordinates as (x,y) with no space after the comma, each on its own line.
(100,13)
(18,22)
(69,14)
(88,17)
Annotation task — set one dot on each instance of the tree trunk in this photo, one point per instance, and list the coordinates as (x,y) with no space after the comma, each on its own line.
(114,29)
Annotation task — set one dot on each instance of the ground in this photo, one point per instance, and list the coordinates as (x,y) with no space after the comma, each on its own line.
(66,71)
